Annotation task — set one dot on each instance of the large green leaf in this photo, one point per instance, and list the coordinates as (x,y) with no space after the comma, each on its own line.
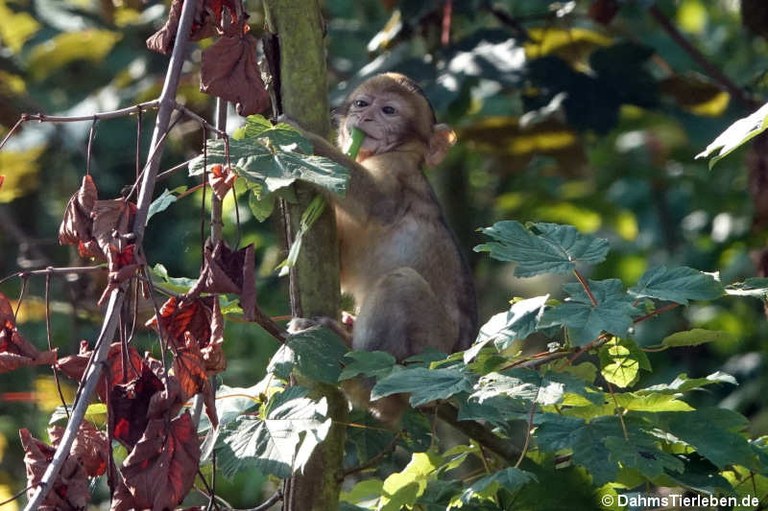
(695,337)
(317,354)
(678,285)
(684,384)
(280,444)
(736,135)
(403,489)
(367,363)
(542,247)
(644,457)
(424,384)
(506,327)
(713,432)
(612,311)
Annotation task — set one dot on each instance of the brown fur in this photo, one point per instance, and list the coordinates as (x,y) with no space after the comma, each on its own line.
(399,259)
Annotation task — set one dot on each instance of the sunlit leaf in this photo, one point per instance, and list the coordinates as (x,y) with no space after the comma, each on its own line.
(278,444)
(696,337)
(736,135)
(678,284)
(91,45)
(404,488)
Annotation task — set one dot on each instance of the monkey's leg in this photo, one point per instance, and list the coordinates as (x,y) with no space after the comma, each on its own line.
(403,317)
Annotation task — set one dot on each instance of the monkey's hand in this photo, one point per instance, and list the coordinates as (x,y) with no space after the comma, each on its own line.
(297,325)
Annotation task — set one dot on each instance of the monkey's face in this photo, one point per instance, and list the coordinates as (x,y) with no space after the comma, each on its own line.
(388,114)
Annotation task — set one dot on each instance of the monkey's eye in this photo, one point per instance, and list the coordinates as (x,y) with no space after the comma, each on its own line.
(359,103)
(389,110)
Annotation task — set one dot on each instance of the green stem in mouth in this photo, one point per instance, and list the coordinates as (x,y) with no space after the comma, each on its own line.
(356,140)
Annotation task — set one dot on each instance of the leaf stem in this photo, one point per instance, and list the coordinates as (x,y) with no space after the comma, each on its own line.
(585,284)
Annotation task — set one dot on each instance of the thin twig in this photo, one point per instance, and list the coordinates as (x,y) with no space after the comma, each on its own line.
(116,297)
(585,284)
(698,57)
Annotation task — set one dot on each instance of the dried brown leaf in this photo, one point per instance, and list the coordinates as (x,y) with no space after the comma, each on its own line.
(229,70)
(15,351)
(70,489)
(76,225)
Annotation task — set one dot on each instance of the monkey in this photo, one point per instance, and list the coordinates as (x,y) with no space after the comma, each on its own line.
(399,260)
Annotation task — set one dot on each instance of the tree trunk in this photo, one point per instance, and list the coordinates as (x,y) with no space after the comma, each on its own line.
(315,277)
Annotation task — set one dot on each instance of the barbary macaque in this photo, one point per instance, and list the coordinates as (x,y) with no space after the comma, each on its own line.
(399,259)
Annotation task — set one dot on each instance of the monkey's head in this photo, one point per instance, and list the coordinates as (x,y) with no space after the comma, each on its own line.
(392,110)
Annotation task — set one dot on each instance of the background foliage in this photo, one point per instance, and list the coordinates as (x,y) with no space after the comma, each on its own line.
(586,113)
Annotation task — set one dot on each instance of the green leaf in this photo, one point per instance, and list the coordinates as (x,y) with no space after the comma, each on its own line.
(713,433)
(404,488)
(161,278)
(678,285)
(521,384)
(737,134)
(684,384)
(272,165)
(542,247)
(585,439)
(367,363)
(755,286)
(280,444)
(586,320)
(317,354)
(162,203)
(621,361)
(424,385)
(644,457)
(695,337)
(485,488)
(258,127)
(506,327)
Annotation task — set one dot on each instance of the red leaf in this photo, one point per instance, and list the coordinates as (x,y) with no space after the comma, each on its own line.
(129,404)
(194,315)
(90,447)
(75,228)
(162,466)
(189,368)
(15,351)
(221,180)
(229,70)
(118,370)
(70,489)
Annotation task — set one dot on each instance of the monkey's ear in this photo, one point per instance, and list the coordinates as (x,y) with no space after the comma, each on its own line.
(443,137)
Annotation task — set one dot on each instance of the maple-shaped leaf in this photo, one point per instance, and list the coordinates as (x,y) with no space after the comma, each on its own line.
(90,447)
(542,247)
(129,404)
(76,225)
(15,351)
(162,466)
(229,70)
(611,311)
(69,490)
(119,368)
(193,315)
(228,271)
